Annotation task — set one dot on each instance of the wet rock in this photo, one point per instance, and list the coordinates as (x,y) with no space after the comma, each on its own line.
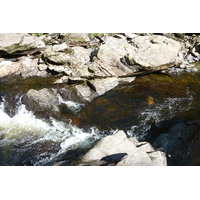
(119,150)
(95,88)
(101,86)
(179,141)
(59,47)
(19,44)
(41,100)
(126,80)
(85,92)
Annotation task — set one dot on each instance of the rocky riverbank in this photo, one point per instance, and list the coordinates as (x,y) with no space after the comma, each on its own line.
(80,67)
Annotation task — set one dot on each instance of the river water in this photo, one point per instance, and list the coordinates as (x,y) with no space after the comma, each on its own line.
(144,109)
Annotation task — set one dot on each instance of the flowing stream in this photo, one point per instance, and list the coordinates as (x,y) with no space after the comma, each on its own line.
(144,109)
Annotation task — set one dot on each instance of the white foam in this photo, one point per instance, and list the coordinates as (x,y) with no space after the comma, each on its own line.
(25,125)
(73,106)
(155,114)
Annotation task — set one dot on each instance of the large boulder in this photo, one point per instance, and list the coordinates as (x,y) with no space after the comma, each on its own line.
(101,86)
(119,150)
(44,100)
(154,51)
(144,53)
(19,44)
(85,93)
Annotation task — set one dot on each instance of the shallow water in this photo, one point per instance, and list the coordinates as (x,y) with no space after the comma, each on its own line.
(144,108)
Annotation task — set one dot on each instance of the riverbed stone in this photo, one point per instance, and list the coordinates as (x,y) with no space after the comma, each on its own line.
(85,92)
(19,44)
(41,100)
(101,86)
(119,150)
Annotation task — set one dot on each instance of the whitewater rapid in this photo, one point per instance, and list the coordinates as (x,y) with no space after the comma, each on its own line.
(25,128)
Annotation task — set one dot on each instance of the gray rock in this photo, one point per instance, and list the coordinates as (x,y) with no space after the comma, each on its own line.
(140,158)
(122,151)
(158,158)
(112,51)
(25,67)
(41,100)
(77,39)
(30,68)
(85,92)
(146,52)
(69,62)
(130,35)
(59,47)
(82,54)
(155,51)
(58,58)
(126,80)
(9,68)
(101,86)
(19,44)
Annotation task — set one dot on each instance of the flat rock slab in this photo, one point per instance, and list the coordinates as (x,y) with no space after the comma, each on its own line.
(101,86)
(143,53)
(155,50)
(19,44)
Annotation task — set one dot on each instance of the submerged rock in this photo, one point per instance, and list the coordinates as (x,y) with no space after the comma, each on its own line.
(19,44)
(119,150)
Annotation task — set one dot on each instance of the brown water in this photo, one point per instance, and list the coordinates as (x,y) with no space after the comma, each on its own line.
(145,108)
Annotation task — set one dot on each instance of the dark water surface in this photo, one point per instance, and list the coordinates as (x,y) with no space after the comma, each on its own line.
(144,108)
